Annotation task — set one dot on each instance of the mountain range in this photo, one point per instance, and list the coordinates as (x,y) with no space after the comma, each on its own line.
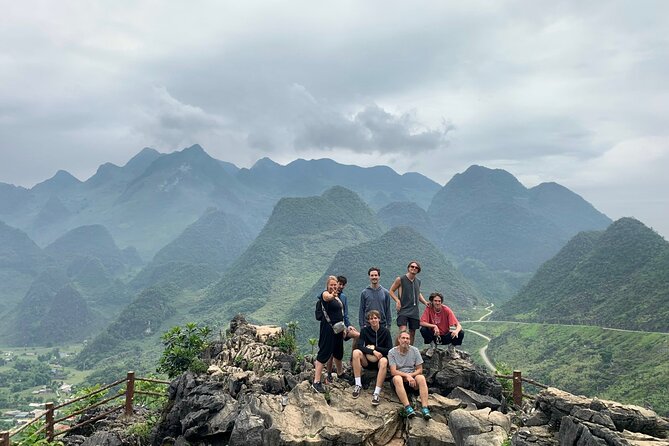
(614,278)
(257,240)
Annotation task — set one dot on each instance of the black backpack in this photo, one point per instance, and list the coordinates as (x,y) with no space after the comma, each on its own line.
(319,310)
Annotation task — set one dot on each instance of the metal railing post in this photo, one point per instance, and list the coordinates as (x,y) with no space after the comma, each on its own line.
(517,388)
(129,393)
(49,421)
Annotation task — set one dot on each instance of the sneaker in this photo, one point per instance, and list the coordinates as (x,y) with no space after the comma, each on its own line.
(356,391)
(376,399)
(426,413)
(410,412)
(318,387)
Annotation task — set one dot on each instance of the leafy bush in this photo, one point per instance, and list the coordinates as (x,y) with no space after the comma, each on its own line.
(182,349)
(287,342)
(86,402)
(31,437)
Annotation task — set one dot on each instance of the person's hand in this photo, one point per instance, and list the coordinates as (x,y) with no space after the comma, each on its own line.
(412,381)
(436,331)
(454,334)
(378,354)
(398,306)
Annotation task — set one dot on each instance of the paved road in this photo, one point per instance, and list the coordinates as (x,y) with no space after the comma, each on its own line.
(483,351)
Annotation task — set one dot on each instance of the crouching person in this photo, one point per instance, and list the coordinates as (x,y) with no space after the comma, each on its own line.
(438,325)
(406,368)
(373,345)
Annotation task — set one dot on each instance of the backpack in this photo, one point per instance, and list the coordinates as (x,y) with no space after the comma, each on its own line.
(319,310)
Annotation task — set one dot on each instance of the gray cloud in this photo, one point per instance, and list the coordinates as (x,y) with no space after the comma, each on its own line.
(538,87)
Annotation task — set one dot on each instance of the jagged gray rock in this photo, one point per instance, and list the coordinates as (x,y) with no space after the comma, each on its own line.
(581,421)
(257,395)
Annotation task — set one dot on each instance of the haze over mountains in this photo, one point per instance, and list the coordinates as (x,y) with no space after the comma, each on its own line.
(261,240)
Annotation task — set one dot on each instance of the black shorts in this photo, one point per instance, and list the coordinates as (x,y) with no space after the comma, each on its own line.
(329,344)
(413,324)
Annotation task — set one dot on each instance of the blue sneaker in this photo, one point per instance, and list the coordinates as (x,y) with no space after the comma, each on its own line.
(426,413)
(410,412)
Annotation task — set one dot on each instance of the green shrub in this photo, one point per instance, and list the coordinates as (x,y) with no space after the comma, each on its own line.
(183,347)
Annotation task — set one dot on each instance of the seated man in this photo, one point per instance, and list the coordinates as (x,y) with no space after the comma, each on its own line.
(406,367)
(373,345)
(438,325)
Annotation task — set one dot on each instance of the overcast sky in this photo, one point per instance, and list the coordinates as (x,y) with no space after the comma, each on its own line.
(571,92)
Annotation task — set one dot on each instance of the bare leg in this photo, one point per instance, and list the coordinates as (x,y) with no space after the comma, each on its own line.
(356,363)
(412,334)
(381,376)
(399,390)
(319,371)
(422,388)
(339,366)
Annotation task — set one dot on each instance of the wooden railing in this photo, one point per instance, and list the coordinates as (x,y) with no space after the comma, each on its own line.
(517,380)
(50,422)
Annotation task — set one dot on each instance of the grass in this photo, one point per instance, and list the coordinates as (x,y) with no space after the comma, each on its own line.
(626,367)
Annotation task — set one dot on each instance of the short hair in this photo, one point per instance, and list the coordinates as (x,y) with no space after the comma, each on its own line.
(374,268)
(342,280)
(327,281)
(371,313)
(417,264)
(436,294)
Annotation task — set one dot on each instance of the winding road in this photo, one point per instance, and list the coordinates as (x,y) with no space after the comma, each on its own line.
(484,349)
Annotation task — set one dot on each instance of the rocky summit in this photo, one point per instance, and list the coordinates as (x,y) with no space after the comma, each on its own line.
(257,393)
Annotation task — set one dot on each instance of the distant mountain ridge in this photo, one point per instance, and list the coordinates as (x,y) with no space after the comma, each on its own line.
(488,215)
(616,278)
(171,191)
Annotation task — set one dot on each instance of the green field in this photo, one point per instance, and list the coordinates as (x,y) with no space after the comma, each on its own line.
(630,367)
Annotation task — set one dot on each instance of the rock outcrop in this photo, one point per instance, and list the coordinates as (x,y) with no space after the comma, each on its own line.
(569,420)
(257,394)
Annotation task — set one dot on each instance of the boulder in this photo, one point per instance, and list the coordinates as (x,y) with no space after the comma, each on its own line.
(479,427)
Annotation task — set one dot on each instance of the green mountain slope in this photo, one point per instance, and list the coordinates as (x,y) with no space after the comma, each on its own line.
(592,361)
(487,215)
(200,254)
(93,241)
(298,242)
(21,260)
(391,252)
(616,278)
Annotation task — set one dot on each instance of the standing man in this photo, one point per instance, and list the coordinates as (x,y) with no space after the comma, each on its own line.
(375,297)
(406,368)
(408,316)
(374,344)
(438,325)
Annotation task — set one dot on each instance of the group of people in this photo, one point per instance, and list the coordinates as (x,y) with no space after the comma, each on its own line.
(373,345)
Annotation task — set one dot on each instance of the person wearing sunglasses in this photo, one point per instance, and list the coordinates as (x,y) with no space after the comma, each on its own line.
(408,285)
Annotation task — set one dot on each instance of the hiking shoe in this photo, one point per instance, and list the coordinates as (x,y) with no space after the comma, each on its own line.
(376,399)
(318,387)
(426,413)
(356,391)
(410,412)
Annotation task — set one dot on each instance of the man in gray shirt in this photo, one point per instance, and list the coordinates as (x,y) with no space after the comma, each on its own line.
(374,297)
(408,288)
(406,368)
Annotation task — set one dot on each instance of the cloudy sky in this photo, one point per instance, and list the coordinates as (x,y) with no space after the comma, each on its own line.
(572,92)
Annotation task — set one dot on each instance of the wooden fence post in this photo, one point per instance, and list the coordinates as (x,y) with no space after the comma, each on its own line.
(49,421)
(517,388)
(129,393)
(4,438)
